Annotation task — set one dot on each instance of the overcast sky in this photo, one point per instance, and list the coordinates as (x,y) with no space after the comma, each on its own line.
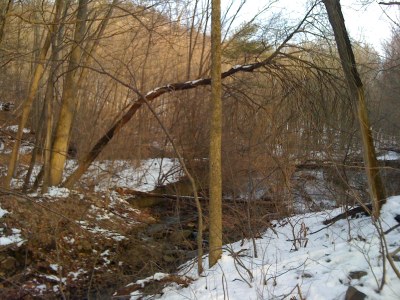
(369,23)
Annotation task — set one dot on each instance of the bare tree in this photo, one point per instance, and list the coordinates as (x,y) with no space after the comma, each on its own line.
(69,100)
(349,65)
(131,110)
(38,73)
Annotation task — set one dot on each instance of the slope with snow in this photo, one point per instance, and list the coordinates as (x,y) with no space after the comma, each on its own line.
(299,258)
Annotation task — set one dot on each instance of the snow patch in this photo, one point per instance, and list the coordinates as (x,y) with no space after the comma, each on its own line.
(156,276)
(149,174)
(3,212)
(14,128)
(196,81)
(54,267)
(389,155)
(101,231)
(75,275)
(14,238)
(57,192)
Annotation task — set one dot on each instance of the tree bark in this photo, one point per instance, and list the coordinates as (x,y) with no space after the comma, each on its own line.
(69,101)
(376,187)
(34,154)
(3,17)
(49,100)
(215,185)
(90,49)
(38,73)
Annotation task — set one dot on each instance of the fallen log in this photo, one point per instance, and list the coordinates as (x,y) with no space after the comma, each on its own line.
(392,149)
(352,213)
(154,195)
(140,194)
(355,164)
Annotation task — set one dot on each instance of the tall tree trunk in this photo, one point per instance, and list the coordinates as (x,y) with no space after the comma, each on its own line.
(90,49)
(48,102)
(376,187)
(215,209)
(69,101)
(38,73)
(35,151)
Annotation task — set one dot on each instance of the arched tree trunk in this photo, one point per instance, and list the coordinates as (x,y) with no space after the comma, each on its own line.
(157,92)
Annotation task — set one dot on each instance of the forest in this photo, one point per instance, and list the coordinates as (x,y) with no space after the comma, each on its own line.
(198,150)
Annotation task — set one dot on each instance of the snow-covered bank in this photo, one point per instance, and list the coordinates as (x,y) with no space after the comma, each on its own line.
(143,176)
(299,258)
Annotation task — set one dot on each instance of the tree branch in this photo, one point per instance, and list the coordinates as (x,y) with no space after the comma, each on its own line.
(389,3)
(157,92)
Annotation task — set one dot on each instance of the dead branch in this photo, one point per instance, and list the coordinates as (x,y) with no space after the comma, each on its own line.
(365,209)
(389,3)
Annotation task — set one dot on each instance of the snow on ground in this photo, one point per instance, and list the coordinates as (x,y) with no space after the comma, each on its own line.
(14,128)
(57,192)
(26,148)
(8,239)
(299,255)
(389,155)
(95,229)
(106,174)
(148,175)
(3,212)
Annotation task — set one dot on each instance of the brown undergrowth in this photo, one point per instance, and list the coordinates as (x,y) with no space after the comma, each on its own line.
(72,247)
(89,245)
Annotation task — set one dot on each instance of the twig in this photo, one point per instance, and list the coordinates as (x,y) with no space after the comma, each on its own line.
(237,260)
(391,229)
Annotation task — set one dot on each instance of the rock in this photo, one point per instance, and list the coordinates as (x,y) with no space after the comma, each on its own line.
(150,220)
(156,229)
(357,274)
(169,259)
(397,218)
(181,235)
(8,264)
(354,294)
(84,246)
(190,254)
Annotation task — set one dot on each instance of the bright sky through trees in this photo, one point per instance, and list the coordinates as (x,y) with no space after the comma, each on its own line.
(367,21)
